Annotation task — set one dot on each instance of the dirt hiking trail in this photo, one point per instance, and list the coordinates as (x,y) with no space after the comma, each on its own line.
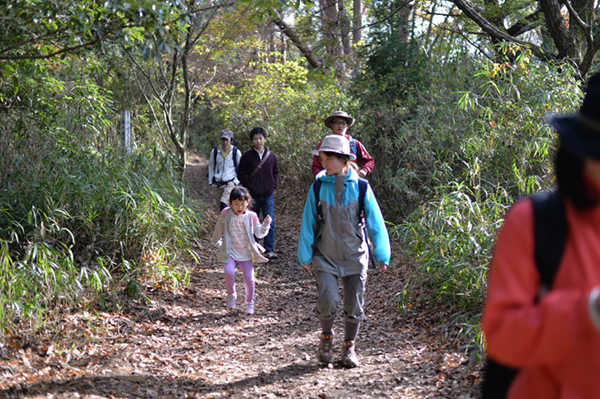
(186,344)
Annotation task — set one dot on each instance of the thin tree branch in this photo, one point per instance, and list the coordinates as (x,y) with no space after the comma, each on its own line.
(496,33)
(50,55)
(585,27)
(304,49)
(465,37)
(519,28)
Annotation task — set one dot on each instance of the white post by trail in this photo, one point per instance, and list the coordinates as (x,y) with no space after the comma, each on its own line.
(126,131)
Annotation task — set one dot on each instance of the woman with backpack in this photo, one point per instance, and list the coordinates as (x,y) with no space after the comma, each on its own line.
(542,323)
(333,243)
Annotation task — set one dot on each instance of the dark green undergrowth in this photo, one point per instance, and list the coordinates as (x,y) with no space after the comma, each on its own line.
(453,151)
(78,223)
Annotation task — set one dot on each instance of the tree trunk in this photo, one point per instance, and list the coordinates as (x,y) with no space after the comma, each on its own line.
(330,32)
(293,36)
(271,43)
(344,27)
(283,48)
(357,22)
(562,37)
(404,16)
(186,114)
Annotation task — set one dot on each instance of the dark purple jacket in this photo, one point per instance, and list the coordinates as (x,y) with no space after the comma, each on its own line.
(265,181)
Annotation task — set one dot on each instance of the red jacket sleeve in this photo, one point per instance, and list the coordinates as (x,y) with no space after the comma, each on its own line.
(521,331)
(316,164)
(363,158)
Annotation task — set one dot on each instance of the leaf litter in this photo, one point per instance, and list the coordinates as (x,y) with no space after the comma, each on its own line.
(185,344)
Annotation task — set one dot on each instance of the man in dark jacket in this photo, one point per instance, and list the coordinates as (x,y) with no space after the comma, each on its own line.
(259,173)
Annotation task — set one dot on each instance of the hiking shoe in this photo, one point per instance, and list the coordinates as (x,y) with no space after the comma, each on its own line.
(231,301)
(270,255)
(250,307)
(349,358)
(325,352)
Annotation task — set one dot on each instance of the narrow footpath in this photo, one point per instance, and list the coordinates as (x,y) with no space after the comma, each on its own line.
(186,344)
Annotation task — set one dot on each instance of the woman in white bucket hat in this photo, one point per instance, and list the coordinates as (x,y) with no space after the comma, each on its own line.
(333,243)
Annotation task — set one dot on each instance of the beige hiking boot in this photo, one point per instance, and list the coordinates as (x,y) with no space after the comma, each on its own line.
(349,358)
(326,348)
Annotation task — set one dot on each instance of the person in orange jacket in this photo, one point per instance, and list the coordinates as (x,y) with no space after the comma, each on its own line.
(553,338)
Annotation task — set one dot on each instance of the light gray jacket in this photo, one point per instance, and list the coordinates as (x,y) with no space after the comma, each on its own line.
(253,228)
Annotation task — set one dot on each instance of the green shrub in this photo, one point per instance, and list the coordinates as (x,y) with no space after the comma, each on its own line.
(82,218)
(450,239)
(453,156)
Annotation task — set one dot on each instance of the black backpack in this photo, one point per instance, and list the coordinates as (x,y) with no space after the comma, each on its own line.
(362,190)
(550,233)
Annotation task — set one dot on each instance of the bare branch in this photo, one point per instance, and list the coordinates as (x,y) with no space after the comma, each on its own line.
(293,36)
(50,55)
(520,27)
(585,27)
(497,34)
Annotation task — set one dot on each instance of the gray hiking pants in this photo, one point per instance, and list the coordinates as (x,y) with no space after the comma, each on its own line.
(353,288)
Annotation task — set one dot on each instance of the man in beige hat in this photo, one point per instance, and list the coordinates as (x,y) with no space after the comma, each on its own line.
(339,122)
(222,168)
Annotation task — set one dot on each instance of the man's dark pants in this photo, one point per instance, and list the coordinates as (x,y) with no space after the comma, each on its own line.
(267,205)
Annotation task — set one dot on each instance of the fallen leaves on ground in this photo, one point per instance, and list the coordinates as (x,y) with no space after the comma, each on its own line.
(186,344)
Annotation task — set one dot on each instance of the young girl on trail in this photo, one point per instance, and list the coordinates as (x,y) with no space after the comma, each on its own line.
(336,247)
(238,225)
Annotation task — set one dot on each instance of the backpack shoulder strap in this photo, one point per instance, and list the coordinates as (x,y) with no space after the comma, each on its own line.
(550,231)
(215,153)
(234,154)
(353,146)
(317,190)
(362,191)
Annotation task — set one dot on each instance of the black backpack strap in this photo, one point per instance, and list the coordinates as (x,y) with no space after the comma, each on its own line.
(362,191)
(317,190)
(550,234)
(550,231)
(214,151)
(234,154)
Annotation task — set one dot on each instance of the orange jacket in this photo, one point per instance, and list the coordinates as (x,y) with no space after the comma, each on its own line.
(553,341)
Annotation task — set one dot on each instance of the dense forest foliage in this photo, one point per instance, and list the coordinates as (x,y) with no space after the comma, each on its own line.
(449,96)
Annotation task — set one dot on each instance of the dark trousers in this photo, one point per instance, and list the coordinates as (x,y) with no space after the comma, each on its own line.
(267,206)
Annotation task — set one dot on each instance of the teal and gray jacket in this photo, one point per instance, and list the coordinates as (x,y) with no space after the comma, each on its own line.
(339,246)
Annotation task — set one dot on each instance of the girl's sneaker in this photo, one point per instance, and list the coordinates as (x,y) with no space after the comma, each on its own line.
(250,307)
(231,301)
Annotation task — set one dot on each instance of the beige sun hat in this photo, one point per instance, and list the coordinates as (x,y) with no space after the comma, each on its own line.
(335,143)
(339,114)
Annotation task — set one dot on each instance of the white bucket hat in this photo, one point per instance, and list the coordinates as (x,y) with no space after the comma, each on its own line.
(335,143)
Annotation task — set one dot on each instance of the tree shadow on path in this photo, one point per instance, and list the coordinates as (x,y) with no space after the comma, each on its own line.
(185,343)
